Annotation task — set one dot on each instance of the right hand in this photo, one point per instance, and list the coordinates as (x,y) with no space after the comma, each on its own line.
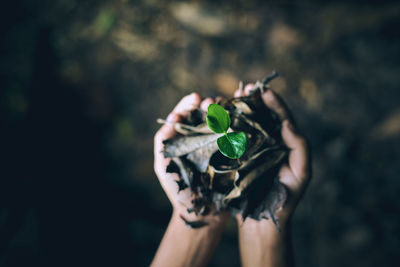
(182,200)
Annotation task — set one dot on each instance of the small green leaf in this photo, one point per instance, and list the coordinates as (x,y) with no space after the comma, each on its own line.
(218,119)
(232,145)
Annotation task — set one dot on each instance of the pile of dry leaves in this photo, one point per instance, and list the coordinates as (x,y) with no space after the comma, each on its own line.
(248,185)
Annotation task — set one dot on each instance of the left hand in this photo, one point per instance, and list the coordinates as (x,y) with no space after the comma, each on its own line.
(296,174)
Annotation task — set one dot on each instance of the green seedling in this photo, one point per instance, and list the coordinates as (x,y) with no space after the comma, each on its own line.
(231,145)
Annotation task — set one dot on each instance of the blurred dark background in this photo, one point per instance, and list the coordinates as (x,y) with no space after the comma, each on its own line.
(83,82)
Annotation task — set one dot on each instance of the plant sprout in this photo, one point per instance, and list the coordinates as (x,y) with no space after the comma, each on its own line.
(231,145)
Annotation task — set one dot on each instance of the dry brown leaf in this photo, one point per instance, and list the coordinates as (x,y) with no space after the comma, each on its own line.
(248,186)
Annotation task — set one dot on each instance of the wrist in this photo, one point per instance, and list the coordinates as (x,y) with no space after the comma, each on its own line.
(198,222)
(266,230)
(283,218)
(261,244)
(185,246)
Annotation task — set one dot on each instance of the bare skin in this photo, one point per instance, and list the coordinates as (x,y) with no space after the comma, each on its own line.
(260,243)
(182,246)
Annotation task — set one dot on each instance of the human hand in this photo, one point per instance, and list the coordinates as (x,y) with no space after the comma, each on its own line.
(260,242)
(295,174)
(180,245)
(182,200)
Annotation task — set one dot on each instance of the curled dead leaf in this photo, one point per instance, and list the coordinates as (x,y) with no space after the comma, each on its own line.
(249,186)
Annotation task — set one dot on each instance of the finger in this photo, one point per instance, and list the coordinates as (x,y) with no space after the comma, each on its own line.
(245,91)
(206,102)
(218,99)
(287,178)
(188,103)
(296,174)
(165,132)
(275,102)
(248,88)
(168,129)
(299,155)
(239,93)
(299,158)
(160,162)
(295,187)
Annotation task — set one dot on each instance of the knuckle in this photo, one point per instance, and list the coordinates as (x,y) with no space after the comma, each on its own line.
(196,97)
(303,141)
(193,96)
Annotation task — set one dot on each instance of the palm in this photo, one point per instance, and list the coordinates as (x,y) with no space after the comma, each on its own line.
(182,200)
(296,173)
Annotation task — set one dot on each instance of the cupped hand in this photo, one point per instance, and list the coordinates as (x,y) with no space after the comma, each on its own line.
(295,174)
(180,201)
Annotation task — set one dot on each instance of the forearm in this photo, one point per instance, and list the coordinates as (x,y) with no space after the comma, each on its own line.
(262,245)
(182,246)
